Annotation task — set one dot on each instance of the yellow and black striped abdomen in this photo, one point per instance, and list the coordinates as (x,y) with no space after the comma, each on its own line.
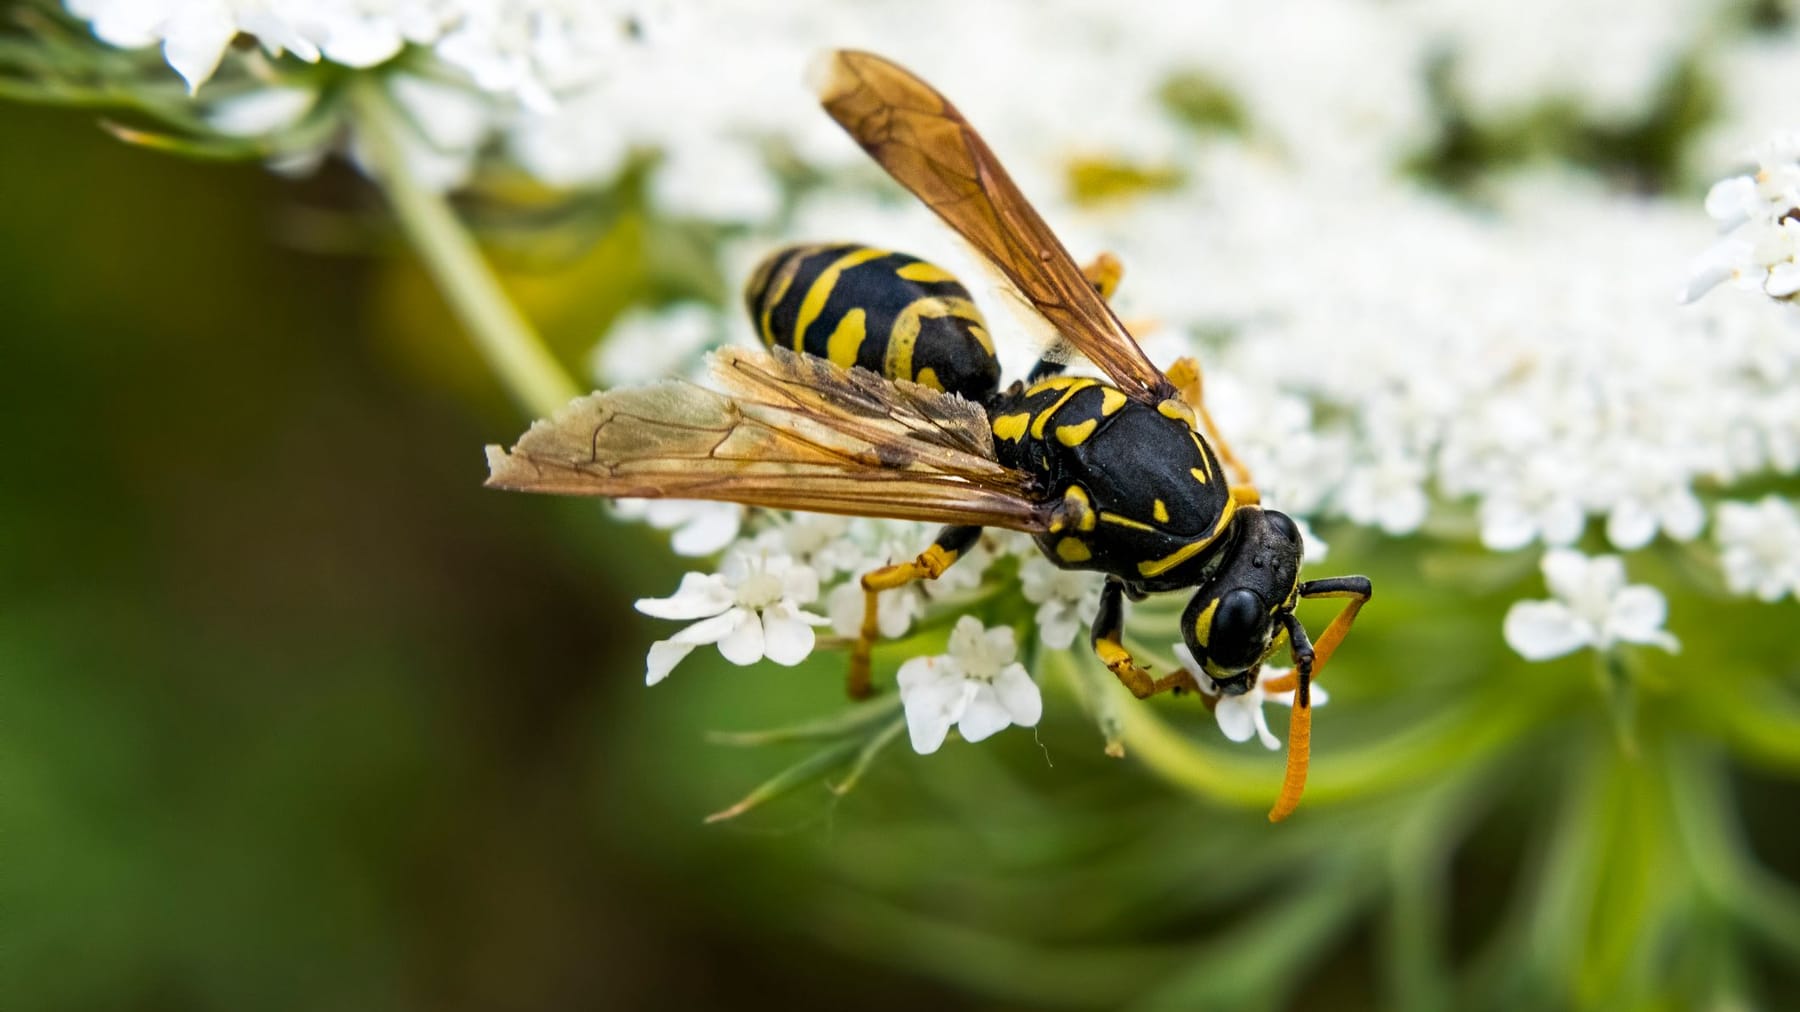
(887,312)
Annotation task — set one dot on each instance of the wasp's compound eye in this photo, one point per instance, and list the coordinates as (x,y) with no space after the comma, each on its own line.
(1280,524)
(1237,625)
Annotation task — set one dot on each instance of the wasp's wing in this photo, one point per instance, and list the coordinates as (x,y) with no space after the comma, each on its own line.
(927,146)
(785,431)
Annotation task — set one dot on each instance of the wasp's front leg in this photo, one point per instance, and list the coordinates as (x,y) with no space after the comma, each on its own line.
(1109,627)
(1309,662)
(950,545)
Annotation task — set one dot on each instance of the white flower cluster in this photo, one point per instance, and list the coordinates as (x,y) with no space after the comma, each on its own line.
(1515,370)
(1758,215)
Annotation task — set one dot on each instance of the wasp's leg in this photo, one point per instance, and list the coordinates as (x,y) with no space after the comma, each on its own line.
(1309,663)
(1185,374)
(1108,627)
(1103,273)
(950,545)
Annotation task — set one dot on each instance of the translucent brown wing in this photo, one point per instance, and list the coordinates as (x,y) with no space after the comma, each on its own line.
(927,146)
(783,430)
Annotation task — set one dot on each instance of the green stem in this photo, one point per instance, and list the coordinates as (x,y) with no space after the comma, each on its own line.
(512,348)
(1469,732)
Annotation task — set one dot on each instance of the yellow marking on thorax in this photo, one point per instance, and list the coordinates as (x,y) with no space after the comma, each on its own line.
(1178,410)
(1205,455)
(847,339)
(1073,550)
(1058,382)
(1160,511)
(1075,386)
(928,377)
(1124,521)
(1157,567)
(1076,502)
(925,273)
(816,296)
(1012,427)
(1203,622)
(1199,475)
(1111,400)
(1075,435)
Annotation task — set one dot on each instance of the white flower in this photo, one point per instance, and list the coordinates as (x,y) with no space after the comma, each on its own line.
(1314,548)
(1593,607)
(821,540)
(700,526)
(751,608)
(261,112)
(1389,493)
(195,34)
(1240,717)
(1067,599)
(977,686)
(647,345)
(1759,547)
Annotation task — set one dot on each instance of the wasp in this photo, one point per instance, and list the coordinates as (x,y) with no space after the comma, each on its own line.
(879,395)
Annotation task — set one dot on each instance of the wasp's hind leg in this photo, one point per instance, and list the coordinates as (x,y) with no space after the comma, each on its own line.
(1103,272)
(950,545)
(1187,377)
(1108,627)
(1309,663)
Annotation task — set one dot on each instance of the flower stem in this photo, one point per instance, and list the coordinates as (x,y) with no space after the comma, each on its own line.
(508,342)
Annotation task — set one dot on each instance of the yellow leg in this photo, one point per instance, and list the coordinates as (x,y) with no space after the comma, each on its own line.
(930,565)
(1104,273)
(1118,660)
(1293,783)
(1186,376)
(1109,623)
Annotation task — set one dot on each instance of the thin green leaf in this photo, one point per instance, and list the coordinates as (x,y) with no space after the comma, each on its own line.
(801,773)
(843,723)
(872,748)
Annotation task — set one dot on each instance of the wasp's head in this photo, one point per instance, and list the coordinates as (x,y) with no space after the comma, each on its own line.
(1238,617)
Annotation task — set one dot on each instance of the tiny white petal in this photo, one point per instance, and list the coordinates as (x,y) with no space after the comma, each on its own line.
(1540,630)
(983,716)
(1020,696)
(664,655)
(264,111)
(787,638)
(1638,613)
(195,44)
(743,645)
(1565,572)
(1237,717)
(1784,280)
(1630,525)
(934,695)
(700,595)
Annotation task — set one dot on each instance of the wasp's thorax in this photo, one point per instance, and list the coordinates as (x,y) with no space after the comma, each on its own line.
(1235,619)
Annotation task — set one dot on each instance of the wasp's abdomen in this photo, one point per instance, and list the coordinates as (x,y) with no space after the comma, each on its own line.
(888,312)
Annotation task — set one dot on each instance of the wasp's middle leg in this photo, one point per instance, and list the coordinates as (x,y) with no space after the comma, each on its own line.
(1187,377)
(952,542)
(1108,628)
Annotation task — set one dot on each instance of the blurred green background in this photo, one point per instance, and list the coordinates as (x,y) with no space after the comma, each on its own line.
(297,716)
